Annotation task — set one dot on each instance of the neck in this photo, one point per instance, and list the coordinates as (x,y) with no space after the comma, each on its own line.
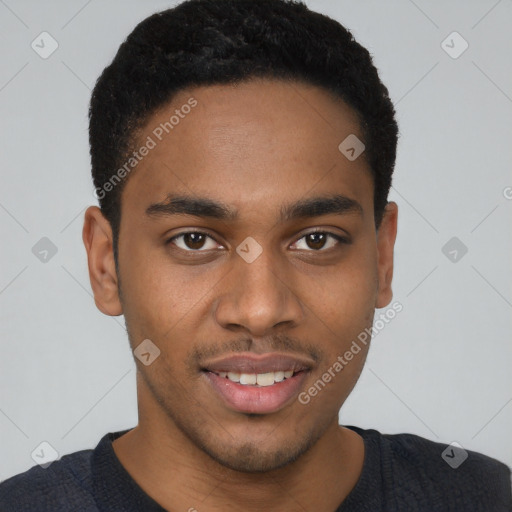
(169,471)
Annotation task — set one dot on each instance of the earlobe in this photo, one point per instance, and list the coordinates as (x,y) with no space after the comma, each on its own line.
(386,236)
(98,241)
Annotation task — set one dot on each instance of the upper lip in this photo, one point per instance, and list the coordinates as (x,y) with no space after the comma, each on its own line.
(254,363)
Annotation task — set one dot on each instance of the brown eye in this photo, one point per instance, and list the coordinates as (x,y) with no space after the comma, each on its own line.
(192,241)
(318,241)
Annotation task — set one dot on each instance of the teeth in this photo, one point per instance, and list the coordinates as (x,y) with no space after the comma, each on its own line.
(278,376)
(248,378)
(265,379)
(260,379)
(235,377)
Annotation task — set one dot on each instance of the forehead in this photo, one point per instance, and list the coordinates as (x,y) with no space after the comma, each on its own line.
(249,145)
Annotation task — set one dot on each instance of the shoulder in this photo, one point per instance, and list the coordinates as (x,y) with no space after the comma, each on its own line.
(445,474)
(64,485)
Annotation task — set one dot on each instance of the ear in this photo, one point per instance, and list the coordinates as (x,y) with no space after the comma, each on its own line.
(386,236)
(98,241)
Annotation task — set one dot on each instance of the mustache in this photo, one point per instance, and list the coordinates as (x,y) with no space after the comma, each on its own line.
(271,343)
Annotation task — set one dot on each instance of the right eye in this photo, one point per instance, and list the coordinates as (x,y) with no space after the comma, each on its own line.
(191,241)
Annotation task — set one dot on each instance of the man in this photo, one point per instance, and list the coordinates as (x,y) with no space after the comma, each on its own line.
(242,152)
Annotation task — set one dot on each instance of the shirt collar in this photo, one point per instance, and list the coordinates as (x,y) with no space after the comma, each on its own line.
(114,488)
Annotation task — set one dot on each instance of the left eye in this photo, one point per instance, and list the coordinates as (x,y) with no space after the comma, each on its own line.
(194,241)
(317,240)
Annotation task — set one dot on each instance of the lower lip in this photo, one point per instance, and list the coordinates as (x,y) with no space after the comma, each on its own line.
(256,399)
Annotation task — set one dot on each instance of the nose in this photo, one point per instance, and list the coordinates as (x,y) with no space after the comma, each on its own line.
(259,297)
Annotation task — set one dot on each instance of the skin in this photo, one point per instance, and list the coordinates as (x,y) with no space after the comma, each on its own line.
(255,147)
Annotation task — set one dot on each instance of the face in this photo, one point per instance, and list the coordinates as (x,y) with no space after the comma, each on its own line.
(248,255)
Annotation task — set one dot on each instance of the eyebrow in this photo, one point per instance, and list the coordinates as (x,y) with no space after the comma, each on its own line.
(205,207)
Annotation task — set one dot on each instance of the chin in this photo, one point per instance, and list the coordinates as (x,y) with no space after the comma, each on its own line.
(255,458)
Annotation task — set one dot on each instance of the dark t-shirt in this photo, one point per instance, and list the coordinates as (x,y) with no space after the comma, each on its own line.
(401,472)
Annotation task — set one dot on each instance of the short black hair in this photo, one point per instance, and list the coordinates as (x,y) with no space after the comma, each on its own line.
(210,42)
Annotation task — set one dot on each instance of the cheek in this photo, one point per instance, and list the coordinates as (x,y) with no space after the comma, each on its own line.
(160,298)
(344,296)
(146,289)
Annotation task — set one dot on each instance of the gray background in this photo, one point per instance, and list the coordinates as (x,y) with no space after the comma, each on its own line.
(440,369)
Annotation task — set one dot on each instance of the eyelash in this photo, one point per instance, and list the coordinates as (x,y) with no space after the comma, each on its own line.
(340,239)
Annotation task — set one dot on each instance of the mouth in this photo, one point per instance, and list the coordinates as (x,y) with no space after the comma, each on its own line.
(257,379)
(257,384)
